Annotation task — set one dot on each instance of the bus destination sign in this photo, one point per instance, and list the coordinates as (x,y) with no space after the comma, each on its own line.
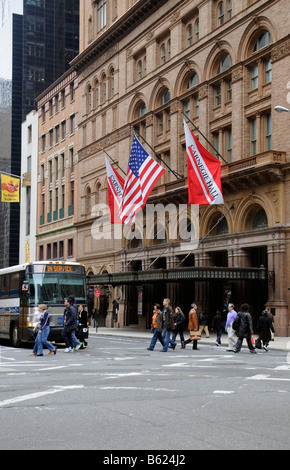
(57,268)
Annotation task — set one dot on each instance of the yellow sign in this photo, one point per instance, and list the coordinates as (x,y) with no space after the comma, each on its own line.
(9,188)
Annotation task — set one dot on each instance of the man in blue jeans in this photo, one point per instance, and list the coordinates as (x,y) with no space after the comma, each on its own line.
(168,325)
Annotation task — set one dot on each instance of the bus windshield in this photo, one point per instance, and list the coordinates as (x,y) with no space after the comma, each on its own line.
(54,288)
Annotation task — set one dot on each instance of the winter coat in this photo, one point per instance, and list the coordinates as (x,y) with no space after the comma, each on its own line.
(264,328)
(217,323)
(245,325)
(169,318)
(70,318)
(179,320)
(192,320)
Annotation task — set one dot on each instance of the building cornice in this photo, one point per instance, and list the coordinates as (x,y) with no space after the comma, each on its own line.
(129,21)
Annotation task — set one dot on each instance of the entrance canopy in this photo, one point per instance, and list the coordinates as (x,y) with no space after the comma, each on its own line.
(193,274)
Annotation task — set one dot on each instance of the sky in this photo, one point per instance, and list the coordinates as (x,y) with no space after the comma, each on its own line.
(7,8)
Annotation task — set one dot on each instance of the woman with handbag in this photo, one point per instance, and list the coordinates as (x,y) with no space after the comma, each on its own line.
(193,328)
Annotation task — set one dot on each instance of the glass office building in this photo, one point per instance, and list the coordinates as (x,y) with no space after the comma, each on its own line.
(38,40)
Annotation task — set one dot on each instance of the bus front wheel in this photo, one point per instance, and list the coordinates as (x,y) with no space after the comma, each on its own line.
(15,336)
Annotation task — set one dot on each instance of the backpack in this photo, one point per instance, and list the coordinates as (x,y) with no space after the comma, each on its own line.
(236,323)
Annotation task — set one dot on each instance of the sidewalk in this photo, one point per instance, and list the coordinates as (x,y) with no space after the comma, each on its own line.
(280,343)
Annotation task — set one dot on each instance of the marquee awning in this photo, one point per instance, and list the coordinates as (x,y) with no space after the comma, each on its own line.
(188,274)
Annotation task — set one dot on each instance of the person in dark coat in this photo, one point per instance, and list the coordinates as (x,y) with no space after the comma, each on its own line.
(179,325)
(217,325)
(244,329)
(264,328)
(70,325)
(168,324)
(83,324)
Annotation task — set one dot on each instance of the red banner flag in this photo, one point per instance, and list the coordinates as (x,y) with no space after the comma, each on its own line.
(115,192)
(204,173)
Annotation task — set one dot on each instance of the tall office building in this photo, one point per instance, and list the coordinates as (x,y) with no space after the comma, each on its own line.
(10,122)
(38,40)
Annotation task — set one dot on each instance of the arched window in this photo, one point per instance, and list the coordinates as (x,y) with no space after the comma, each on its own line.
(97,94)
(260,220)
(141,110)
(112,82)
(262,41)
(104,88)
(224,64)
(165,97)
(192,81)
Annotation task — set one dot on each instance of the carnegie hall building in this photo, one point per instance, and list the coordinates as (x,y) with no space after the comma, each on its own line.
(226,66)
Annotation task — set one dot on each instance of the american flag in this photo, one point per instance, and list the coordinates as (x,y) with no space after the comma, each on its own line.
(142,175)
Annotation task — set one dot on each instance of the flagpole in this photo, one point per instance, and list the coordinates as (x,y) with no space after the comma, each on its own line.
(177,176)
(114,161)
(198,130)
(10,174)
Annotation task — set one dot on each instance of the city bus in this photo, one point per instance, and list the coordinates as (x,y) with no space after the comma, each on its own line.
(24,287)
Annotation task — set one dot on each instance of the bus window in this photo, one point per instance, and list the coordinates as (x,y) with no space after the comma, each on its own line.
(14,284)
(4,289)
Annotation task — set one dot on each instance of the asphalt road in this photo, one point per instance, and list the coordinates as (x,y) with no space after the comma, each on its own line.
(116,395)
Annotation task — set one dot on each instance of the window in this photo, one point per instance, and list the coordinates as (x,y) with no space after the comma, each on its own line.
(72,91)
(112,82)
(254,77)
(224,12)
(60,250)
(190,35)
(253,136)
(165,51)
(141,66)
(224,64)
(268,123)
(43,143)
(63,130)
(218,95)
(260,220)
(196,29)
(102,14)
(162,54)
(63,98)
(221,13)
(57,134)
(72,123)
(268,70)
(165,97)
(192,81)
(51,137)
(70,246)
(228,144)
(57,104)
(263,40)
(40,251)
